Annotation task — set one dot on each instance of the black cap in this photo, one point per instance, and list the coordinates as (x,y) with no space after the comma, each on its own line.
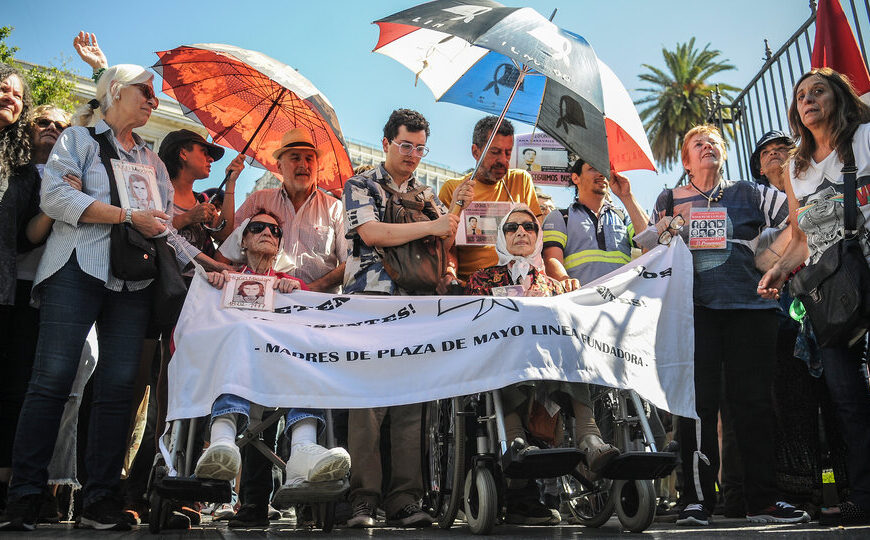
(176,138)
(755,158)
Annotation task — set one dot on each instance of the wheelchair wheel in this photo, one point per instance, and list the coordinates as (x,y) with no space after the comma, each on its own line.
(444,448)
(481,501)
(635,502)
(591,506)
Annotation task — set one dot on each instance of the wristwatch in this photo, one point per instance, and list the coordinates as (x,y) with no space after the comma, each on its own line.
(128,216)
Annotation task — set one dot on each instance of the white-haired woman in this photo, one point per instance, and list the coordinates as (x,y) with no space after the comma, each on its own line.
(76,288)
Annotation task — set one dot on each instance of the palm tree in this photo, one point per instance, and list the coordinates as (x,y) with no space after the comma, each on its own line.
(676,102)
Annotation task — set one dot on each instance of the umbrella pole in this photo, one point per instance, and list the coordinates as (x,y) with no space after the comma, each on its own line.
(457,208)
(256,131)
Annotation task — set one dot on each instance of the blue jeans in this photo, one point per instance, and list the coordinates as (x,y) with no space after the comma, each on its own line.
(72,301)
(233,404)
(851,399)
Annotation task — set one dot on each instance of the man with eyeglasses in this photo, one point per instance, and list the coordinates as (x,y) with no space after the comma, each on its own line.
(494,182)
(365,199)
(315,248)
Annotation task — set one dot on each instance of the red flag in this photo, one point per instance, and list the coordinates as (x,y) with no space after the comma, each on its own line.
(835,45)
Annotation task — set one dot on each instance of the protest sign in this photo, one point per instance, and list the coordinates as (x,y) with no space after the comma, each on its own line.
(546,160)
(630,329)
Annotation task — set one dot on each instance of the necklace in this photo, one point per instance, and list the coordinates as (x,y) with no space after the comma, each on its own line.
(710,198)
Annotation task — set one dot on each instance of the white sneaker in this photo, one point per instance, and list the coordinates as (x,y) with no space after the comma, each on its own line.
(224,511)
(315,463)
(220,461)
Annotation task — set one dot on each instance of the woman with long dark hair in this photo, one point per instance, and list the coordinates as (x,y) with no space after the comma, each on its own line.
(833,127)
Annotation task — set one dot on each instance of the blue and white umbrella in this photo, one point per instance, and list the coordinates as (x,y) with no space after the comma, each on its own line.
(505,61)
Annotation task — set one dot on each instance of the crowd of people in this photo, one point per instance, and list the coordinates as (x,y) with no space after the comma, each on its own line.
(760,379)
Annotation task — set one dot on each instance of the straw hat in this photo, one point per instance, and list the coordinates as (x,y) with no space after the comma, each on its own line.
(297,138)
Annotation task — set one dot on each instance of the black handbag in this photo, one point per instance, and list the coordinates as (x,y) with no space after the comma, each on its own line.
(132,256)
(835,291)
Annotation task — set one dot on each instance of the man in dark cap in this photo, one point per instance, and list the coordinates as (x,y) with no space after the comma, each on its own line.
(768,159)
(188,157)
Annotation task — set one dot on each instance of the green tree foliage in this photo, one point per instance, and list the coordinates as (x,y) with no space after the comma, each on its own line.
(676,100)
(47,84)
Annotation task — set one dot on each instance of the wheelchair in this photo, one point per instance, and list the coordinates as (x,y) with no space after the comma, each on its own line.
(467,458)
(172,483)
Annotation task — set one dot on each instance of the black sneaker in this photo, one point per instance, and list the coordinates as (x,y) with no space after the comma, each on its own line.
(531,512)
(250,516)
(694,514)
(410,516)
(49,511)
(21,514)
(104,515)
(781,512)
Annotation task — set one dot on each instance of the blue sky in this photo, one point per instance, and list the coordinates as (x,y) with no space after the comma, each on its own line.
(330,42)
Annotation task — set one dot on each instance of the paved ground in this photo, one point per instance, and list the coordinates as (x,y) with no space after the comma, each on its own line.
(721,528)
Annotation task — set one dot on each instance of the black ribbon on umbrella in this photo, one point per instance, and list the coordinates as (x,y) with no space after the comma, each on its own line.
(504,75)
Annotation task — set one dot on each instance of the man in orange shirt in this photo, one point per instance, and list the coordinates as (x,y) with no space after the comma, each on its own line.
(494,182)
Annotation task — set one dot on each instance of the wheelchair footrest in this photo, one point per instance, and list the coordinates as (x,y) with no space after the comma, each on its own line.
(640,466)
(539,463)
(194,489)
(310,492)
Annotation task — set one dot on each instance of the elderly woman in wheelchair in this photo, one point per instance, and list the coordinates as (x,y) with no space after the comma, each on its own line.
(257,245)
(519,247)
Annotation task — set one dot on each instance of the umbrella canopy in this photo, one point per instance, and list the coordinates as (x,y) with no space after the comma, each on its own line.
(247,101)
(472,55)
(627,143)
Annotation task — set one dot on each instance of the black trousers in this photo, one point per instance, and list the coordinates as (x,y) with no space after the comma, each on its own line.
(739,345)
(19,331)
(256,483)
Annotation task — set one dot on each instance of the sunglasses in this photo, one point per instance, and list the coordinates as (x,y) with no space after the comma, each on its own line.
(406,149)
(512,226)
(146,90)
(43,123)
(674,228)
(256,227)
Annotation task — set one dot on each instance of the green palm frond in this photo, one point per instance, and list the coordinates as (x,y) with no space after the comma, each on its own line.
(675,96)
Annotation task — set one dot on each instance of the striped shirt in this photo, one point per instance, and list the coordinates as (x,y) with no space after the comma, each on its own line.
(77,153)
(591,245)
(313,236)
(727,278)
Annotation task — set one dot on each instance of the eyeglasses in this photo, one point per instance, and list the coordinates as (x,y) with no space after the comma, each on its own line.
(674,228)
(146,90)
(513,226)
(43,123)
(256,227)
(406,149)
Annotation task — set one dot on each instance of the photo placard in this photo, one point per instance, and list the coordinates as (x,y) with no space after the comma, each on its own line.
(478,224)
(137,186)
(249,291)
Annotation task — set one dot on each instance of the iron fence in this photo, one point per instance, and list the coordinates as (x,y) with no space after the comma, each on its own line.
(763,104)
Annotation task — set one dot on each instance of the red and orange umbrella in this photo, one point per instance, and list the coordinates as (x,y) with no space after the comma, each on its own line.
(247,101)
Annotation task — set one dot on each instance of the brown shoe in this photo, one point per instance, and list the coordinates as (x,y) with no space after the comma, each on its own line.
(598,453)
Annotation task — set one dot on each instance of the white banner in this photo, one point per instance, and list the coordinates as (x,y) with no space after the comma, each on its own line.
(630,329)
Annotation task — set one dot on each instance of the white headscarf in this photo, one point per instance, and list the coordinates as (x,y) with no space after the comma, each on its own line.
(232,249)
(519,266)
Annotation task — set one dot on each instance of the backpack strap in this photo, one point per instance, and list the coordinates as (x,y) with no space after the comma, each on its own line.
(850,192)
(564,212)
